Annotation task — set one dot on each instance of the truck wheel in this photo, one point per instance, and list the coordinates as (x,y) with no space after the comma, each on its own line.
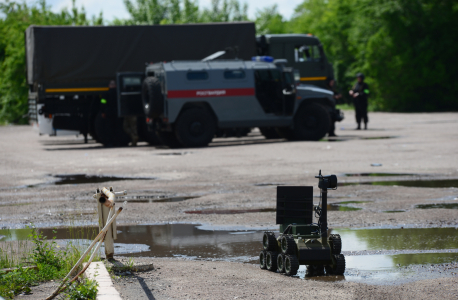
(281,263)
(109,131)
(311,122)
(168,139)
(288,245)
(271,261)
(262,260)
(270,133)
(338,268)
(291,265)
(195,127)
(269,242)
(152,98)
(336,243)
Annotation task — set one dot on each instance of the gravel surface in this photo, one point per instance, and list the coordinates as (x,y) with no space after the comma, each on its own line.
(242,174)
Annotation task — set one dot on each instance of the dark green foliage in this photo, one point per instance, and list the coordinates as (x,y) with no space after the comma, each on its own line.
(405,48)
(17,17)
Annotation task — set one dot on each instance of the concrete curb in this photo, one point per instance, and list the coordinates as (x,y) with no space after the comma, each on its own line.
(106,290)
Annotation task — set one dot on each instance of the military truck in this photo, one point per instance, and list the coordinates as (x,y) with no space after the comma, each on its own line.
(186,102)
(302,242)
(75,88)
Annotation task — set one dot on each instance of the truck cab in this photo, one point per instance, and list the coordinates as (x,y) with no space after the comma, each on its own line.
(304,52)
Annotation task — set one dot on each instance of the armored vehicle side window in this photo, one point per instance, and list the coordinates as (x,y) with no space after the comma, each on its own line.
(234,74)
(199,75)
(131,84)
(307,53)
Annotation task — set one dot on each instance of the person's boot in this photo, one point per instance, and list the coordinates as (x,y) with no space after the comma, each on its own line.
(134,141)
(365,126)
(359,126)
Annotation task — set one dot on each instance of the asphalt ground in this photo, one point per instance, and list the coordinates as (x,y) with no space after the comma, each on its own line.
(242,173)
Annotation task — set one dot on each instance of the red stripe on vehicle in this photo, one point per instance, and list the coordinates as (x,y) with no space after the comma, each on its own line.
(210,93)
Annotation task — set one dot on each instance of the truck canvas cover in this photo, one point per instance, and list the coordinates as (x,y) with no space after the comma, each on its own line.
(92,55)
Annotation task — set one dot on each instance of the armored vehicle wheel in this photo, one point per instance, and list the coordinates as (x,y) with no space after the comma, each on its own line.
(311,122)
(270,133)
(269,242)
(195,127)
(288,245)
(152,98)
(291,265)
(109,131)
(336,243)
(339,268)
(271,261)
(314,271)
(280,263)
(262,260)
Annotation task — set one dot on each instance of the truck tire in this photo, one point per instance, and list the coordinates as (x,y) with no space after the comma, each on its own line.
(270,133)
(109,131)
(168,139)
(311,122)
(152,98)
(195,127)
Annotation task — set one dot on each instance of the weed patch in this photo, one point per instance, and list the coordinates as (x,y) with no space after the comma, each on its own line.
(52,264)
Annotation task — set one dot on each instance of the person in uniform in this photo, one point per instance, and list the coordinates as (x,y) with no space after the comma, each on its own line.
(360,93)
(130,127)
(336,96)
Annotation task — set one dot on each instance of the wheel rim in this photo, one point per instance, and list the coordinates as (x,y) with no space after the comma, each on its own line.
(283,244)
(262,259)
(268,261)
(287,265)
(280,262)
(265,242)
(310,122)
(196,128)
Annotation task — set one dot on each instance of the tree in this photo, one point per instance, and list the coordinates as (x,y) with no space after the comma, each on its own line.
(17,17)
(269,20)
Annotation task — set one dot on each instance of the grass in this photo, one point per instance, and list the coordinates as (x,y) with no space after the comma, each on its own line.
(52,261)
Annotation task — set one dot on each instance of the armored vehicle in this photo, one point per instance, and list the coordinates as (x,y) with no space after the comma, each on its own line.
(302,242)
(187,101)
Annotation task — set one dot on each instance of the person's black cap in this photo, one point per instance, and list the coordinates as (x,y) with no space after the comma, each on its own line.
(360,75)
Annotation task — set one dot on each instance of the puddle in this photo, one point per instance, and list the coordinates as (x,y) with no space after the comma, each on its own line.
(394,211)
(377,174)
(377,137)
(378,252)
(156,199)
(438,205)
(398,239)
(437,183)
(83,178)
(268,184)
(175,153)
(229,211)
(338,207)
